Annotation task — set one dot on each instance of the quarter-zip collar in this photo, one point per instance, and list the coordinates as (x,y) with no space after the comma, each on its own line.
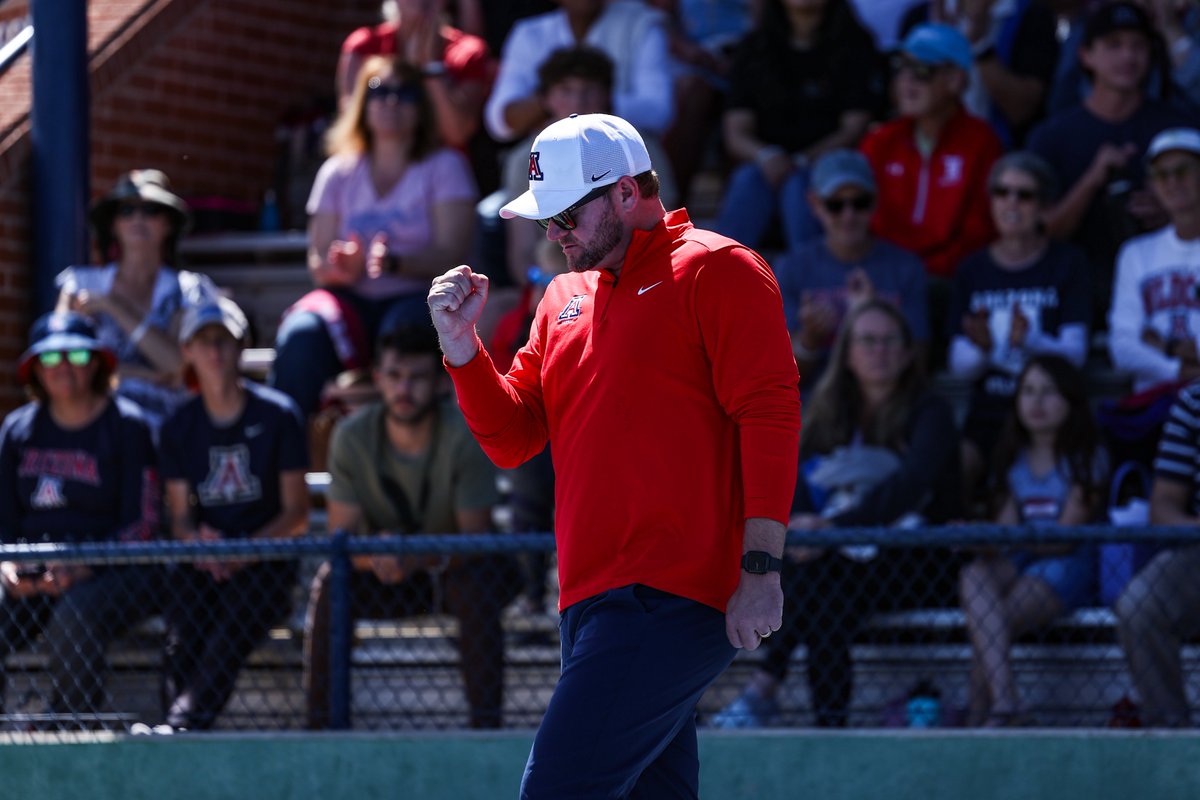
(644,242)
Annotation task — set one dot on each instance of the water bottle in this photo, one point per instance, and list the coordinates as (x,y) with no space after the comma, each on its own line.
(924,707)
(269,218)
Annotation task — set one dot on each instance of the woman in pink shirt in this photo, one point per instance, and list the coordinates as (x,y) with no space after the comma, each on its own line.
(390,209)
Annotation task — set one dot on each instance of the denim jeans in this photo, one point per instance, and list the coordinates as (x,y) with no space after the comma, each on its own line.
(211,629)
(751,203)
(77,628)
(305,358)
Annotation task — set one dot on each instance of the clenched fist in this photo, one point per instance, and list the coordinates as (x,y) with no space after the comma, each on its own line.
(456,299)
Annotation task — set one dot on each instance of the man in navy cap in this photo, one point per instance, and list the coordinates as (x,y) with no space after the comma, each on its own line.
(1095,146)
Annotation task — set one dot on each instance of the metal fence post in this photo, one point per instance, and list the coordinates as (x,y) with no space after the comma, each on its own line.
(59,132)
(339,632)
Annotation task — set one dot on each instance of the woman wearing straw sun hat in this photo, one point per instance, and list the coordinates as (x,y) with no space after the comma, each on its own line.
(76,464)
(135,299)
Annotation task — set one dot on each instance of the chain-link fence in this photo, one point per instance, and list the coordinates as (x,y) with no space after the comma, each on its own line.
(978,625)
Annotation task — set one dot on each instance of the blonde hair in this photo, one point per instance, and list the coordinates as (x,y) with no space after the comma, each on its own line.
(350,134)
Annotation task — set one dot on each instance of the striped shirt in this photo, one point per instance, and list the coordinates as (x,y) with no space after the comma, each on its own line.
(1179,449)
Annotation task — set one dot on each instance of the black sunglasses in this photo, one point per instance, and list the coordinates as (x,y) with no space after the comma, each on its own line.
(404,93)
(564,219)
(999,191)
(860,202)
(145,209)
(919,70)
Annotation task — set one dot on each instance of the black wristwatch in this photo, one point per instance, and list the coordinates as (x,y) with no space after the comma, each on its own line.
(760,562)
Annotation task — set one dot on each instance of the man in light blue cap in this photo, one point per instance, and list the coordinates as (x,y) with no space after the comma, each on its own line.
(846,265)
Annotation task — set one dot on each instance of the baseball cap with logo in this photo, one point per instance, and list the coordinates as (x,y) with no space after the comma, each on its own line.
(1185,139)
(220,311)
(572,157)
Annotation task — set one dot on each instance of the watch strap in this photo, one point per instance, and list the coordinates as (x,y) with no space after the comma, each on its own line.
(760,562)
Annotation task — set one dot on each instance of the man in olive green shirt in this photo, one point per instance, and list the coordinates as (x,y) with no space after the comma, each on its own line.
(404,465)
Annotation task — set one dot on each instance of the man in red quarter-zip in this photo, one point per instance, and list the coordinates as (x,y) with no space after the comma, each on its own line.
(660,369)
(931,163)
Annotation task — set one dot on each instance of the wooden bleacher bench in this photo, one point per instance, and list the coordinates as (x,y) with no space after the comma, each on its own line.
(1103,383)
(263,272)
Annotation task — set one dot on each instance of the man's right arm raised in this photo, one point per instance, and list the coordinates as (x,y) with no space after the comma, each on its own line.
(505,412)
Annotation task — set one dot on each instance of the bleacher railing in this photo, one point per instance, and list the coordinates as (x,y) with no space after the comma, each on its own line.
(413,667)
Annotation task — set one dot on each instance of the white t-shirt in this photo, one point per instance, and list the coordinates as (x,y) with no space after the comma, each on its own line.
(634,37)
(173,292)
(1156,284)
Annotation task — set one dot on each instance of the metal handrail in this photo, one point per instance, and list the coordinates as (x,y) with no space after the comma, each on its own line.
(425,544)
(15,46)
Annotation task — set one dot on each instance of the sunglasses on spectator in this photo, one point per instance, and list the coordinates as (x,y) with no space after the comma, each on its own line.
(1024,195)
(404,93)
(1178,172)
(145,209)
(76,358)
(861,202)
(565,219)
(919,70)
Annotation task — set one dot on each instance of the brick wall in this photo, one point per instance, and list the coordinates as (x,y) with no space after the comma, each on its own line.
(193,87)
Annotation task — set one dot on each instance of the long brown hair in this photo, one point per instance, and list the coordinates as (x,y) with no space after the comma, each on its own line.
(1076,444)
(834,412)
(350,133)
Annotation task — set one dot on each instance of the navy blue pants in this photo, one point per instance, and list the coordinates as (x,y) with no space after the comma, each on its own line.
(622,720)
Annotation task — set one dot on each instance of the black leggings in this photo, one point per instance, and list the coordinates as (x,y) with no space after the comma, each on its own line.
(211,629)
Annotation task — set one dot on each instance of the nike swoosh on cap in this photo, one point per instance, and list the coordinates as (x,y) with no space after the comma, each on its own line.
(596,177)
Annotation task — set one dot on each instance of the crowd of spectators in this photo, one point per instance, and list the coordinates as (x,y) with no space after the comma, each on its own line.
(1002,193)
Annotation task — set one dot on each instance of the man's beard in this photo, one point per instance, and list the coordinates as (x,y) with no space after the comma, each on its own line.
(607,237)
(413,416)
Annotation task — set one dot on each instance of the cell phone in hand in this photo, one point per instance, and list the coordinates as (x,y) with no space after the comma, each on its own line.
(28,571)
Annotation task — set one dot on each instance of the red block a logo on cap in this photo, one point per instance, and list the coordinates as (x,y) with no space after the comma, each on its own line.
(535,169)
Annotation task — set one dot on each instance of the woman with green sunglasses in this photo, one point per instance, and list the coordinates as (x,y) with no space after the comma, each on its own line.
(76,464)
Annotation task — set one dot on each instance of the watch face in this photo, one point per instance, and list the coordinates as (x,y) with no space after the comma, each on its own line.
(755,562)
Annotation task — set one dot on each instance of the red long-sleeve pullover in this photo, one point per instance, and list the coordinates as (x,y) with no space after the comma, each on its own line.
(936,206)
(670,398)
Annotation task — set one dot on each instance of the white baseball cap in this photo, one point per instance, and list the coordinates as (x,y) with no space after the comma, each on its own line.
(574,156)
(219,311)
(1185,139)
